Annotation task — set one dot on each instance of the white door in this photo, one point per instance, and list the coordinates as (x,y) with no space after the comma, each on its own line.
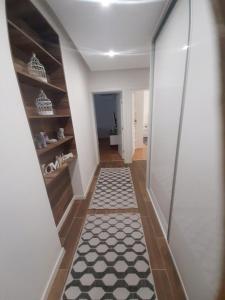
(169,72)
(119,123)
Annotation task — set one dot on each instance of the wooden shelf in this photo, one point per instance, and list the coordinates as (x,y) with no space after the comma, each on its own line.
(55,145)
(40,117)
(49,179)
(24,41)
(29,32)
(30,80)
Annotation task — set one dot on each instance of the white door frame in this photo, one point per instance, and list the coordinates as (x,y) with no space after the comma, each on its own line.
(95,121)
(149,123)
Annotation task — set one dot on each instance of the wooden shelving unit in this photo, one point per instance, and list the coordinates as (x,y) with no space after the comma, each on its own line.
(30,33)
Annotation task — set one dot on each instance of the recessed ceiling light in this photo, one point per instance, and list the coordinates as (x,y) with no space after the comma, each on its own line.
(185,47)
(111,53)
(106,3)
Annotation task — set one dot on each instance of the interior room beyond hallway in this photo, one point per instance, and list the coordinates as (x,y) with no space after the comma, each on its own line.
(107,124)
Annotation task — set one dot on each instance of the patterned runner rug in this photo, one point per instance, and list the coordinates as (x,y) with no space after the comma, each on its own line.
(114,190)
(111,262)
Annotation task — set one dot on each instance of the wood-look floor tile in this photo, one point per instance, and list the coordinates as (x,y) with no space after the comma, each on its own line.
(58,285)
(178,293)
(162,285)
(155,223)
(155,255)
(64,231)
(71,242)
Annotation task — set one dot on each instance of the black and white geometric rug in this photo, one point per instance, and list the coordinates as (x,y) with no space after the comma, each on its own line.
(114,190)
(111,261)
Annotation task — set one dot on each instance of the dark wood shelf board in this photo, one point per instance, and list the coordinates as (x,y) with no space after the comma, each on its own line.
(31,45)
(55,145)
(29,79)
(40,117)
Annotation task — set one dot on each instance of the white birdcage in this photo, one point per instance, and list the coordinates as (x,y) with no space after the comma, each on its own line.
(36,69)
(44,105)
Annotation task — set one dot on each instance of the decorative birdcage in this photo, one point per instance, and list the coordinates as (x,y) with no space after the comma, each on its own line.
(36,69)
(44,105)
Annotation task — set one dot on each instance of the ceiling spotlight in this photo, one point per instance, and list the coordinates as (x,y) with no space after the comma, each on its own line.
(106,3)
(185,47)
(111,53)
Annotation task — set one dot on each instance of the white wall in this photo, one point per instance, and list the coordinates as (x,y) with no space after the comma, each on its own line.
(105,108)
(125,81)
(77,79)
(197,232)
(30,245)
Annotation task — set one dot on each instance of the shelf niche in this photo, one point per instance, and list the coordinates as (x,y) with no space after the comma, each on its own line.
(29,33)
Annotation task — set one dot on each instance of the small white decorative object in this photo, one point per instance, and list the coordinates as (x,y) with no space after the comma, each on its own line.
(51,167)
(60,134)
(50,141)
(59,161)
(36,69)
(42,137)
(44,105)
(67,156)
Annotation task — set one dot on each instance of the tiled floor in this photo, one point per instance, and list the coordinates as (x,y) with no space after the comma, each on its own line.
(167,282)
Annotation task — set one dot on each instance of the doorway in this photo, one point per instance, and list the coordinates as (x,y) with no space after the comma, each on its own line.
(108,125)
(140,124)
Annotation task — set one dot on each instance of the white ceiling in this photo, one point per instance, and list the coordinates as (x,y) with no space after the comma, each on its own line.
(125,27)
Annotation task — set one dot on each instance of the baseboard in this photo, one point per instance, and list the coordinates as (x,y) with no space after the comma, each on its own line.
(177,269)
(168,245)
(90,182)
(53,275)
(158,212)
(84,196)
(59,226)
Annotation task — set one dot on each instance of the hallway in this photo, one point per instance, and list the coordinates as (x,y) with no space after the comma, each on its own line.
(153,72)
(166,280)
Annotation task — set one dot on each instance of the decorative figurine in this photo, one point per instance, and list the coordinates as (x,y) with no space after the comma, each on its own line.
(60,134)
(50,141)
(43,140)
(44,105)
(59,161)
(40,141)
(36,69)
